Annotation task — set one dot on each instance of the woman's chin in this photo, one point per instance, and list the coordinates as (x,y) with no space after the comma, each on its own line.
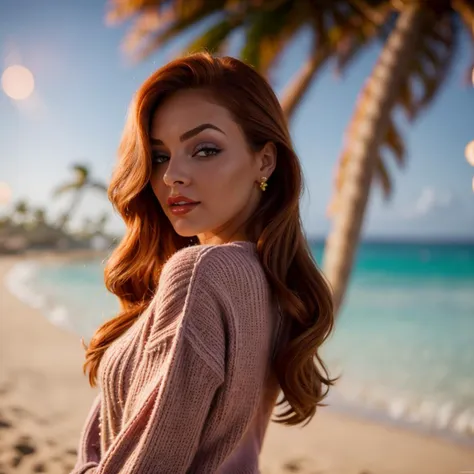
(185,231)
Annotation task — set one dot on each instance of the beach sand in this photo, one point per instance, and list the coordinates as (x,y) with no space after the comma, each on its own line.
(44,399)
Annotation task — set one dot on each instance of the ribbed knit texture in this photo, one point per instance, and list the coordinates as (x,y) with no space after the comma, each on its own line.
(189,387)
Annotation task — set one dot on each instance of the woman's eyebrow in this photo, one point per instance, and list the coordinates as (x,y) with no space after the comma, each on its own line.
(190,133)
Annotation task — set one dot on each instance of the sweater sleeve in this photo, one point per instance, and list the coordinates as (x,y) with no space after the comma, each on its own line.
(185,353)
(88,453)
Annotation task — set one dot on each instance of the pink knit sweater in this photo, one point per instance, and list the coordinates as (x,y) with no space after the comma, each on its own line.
(189,387)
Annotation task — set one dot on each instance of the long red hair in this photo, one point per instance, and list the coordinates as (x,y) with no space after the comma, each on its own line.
(283,250)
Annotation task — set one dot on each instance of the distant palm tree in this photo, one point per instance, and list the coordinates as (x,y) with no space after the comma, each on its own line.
(39,216)
(87,226)
(339,27)
(101,222)
(96,226)
(81,182)
(21,210)
(417,54)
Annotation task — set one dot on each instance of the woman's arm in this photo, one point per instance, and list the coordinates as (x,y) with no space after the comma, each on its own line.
(88,453)
(163,437)
(184,358)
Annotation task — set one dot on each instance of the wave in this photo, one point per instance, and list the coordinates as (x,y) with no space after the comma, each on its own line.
(21,281)
(441,417)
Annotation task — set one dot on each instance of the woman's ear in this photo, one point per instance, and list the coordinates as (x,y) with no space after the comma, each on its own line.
(267,159)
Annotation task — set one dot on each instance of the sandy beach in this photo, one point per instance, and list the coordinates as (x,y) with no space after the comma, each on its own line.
(44,399)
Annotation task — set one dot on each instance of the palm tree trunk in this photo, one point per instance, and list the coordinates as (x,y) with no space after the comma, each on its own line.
(72,208)
(295,91)
(382,91)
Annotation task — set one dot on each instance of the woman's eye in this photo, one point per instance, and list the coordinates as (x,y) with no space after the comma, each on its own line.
(203,152)
(207,151)
(158,158)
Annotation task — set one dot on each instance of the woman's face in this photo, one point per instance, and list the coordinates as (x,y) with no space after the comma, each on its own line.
(199,152)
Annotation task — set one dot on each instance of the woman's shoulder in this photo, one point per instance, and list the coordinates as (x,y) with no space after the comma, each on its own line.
(203,279)
(218,263)
(196,284)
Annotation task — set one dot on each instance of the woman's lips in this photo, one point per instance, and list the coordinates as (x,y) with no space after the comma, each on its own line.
(182,209)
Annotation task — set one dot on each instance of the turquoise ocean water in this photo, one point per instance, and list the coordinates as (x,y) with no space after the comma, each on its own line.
(403,345)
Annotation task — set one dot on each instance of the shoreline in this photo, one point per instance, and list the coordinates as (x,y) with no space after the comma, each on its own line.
(44,396)
(57,314)
(36,384)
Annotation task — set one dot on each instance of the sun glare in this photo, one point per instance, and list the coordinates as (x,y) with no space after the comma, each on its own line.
(18,82)
(469,152)
(5,193)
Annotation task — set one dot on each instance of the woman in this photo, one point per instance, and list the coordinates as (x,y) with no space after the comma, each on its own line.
(222,304)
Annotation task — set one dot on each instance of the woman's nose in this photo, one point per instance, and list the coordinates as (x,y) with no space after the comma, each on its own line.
(175,174)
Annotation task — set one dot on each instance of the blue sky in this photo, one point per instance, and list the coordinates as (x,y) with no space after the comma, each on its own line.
(84,83)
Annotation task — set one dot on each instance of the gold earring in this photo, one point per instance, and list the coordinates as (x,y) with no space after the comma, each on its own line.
(263,183)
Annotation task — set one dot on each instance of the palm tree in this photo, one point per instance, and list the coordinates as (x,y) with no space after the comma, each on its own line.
(21,211)
(100,223)
(81,182)
(39,216)
(92,227)
(339,27)
(418,52)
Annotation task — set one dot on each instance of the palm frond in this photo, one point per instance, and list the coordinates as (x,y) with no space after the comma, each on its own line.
(120,10)
(267,32)
(82,174)
(65,188)
(296,89)
(382,176)
(407,99)
(147,22)
(375,11)
(351,33)
(465,8)
(21,207)
(271,48)
(97,186)
(429,67)
(394,142)
(81,170)
(214,38)
(432,58)
(466,12)
(141,42)
(439,59)
(189,8)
